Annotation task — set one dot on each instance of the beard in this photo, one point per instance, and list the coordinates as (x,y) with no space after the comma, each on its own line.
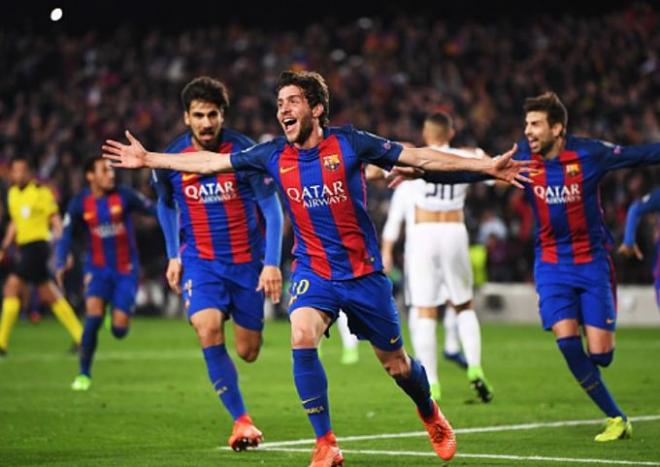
(210,145)
(305,130)
(547,146)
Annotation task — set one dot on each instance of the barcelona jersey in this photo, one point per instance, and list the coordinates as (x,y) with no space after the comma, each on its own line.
(325,193)
(565,198)
(108,228)
(218,214)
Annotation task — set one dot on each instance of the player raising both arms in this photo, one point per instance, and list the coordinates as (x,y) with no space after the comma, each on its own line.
(319,171)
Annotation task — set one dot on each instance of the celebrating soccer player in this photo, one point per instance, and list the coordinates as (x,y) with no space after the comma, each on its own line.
(319,171)
(103,211)
(221,265)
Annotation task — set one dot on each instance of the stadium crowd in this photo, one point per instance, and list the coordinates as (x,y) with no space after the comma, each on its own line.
(63,95)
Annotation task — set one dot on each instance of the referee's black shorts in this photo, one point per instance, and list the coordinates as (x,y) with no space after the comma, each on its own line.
(32,262)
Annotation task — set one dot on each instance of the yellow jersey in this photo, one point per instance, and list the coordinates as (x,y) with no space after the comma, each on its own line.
(30,210)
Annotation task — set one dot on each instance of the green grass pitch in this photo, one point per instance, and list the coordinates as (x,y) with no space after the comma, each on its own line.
(151,403)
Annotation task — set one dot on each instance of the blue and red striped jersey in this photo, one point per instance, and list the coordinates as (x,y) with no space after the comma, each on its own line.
(565,198)
(218,216)
(325,193)
(108,228)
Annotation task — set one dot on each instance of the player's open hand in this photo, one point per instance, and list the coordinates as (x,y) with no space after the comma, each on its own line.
(399,175)
(131,156)
(173,274)
(511,171)
(270,281)
(630,251)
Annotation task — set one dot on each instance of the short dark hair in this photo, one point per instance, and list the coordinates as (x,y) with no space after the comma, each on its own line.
(441,119)
(549,103)
(24,159)
(89,165)
(313,86)
(207,89)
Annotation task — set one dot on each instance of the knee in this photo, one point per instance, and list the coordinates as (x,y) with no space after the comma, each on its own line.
(602,359)
(248,352)
(119,331)
(208,335)
(303,338)
(398,367)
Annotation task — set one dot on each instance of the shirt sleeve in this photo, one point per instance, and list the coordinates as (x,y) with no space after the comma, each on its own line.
(253,158)
(270,207)
(396,214)
(375,149)
(137,202)
(649,203)
(49,201)
(452,178)
(72,220)
(167,212)
(612,157)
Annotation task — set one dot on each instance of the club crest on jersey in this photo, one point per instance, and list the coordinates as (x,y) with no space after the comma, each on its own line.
(572,170)
(331,162)
(115,209)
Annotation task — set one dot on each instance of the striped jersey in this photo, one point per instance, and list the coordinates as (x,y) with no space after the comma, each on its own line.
(218,214)
(107,226)
(564,195)
(325,194)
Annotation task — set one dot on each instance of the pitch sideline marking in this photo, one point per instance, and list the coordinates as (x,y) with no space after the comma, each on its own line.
(480,456)
(485,429)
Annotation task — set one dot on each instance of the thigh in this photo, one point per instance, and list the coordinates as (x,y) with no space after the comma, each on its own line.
(557,302)
(98,283)
(599,340)
(125,290)
(372,313)
(598,310)
(32,265)
(246,305)
(203,288)
(424,274)
(455,264)
(308,290)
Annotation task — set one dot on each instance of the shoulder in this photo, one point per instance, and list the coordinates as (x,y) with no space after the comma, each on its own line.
(589,146)
(524,151)
(238,140)
(180,143)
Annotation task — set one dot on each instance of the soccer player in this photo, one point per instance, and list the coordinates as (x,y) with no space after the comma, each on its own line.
(221,265)
(319,171)
(440,259)
(649,203)
(32,212)
(573,270)
(103,212)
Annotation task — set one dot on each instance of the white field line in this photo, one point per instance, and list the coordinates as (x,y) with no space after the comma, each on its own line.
(479,456)
(484,429)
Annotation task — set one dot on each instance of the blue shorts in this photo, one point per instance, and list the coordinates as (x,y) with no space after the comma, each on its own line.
(117,289)
(367,302)
(584,292)
(228,288)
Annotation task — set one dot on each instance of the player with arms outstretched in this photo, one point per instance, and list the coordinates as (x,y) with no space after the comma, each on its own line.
(320,173)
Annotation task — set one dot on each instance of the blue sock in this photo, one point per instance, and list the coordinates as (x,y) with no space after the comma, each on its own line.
(224,378)
(312,386)
(88,343)
(588,375)
(416,385)
(119,331)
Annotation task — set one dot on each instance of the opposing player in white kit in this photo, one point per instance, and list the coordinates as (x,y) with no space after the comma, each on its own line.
(439,269)
(402,209)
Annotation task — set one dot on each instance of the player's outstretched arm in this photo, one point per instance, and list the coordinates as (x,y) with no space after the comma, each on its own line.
(135,156)
(502,168)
